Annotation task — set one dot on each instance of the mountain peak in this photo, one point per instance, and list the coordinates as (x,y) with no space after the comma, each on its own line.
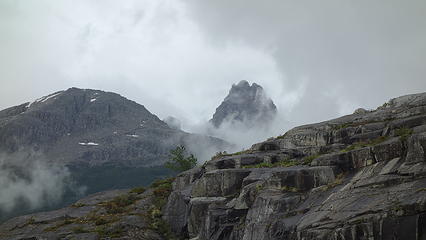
(245,103)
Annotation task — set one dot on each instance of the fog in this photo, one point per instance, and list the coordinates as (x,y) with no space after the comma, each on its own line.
(27,180)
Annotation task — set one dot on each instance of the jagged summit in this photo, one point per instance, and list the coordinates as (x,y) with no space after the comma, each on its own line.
(247,104)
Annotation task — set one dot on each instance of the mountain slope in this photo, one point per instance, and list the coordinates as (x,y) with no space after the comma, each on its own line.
(91,141)
(92,127)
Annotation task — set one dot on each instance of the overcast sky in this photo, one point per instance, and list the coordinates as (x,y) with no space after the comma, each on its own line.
(316,59)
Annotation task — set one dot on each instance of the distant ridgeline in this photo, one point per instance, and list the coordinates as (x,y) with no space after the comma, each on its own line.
(105,140)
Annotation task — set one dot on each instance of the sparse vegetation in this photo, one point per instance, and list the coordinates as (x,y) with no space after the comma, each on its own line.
(282,136)
(403,133)
(259,187)
(161,191)
(282,163)
(337,181)
(345,125)
(289,189)
(369,143)
(356,124)
(79,229)
(225,154)
(30,221)
(78,205)
(138,190)
(58,225)
(180,160)
(105,232)
(307,160)
(119,204)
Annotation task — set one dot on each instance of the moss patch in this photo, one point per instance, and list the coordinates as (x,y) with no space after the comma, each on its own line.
(403,133)
(119,204)
(369,143)
(283,163)
(59,225)
(138,190)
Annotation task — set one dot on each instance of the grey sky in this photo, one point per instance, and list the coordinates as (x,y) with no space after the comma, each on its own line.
(316,59)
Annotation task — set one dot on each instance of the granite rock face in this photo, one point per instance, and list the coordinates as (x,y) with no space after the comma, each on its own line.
(246,104)
(361,176)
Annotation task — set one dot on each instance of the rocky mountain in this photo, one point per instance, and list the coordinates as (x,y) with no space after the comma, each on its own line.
(361,176)
(92,127)
(105,140)
(247,104)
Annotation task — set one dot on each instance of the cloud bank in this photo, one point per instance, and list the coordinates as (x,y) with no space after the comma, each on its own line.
(316,59)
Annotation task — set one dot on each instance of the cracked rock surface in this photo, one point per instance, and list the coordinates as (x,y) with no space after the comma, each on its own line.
(361,176)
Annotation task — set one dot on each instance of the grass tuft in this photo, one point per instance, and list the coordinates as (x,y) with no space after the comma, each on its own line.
(403,133)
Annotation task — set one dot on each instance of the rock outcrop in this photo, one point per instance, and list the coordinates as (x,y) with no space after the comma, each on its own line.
(361,176)
(245,104)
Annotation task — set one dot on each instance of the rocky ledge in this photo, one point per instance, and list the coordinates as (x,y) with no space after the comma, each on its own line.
(361,176)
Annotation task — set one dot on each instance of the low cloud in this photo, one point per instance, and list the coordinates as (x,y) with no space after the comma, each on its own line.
(26,179)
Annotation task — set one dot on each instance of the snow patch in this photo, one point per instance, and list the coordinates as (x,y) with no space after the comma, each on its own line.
(43,99)
(89,144)
(132,135)
(51,96)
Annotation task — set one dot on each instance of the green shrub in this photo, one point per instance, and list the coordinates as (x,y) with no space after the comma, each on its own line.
(403,133)
(307,160)
(180,160)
